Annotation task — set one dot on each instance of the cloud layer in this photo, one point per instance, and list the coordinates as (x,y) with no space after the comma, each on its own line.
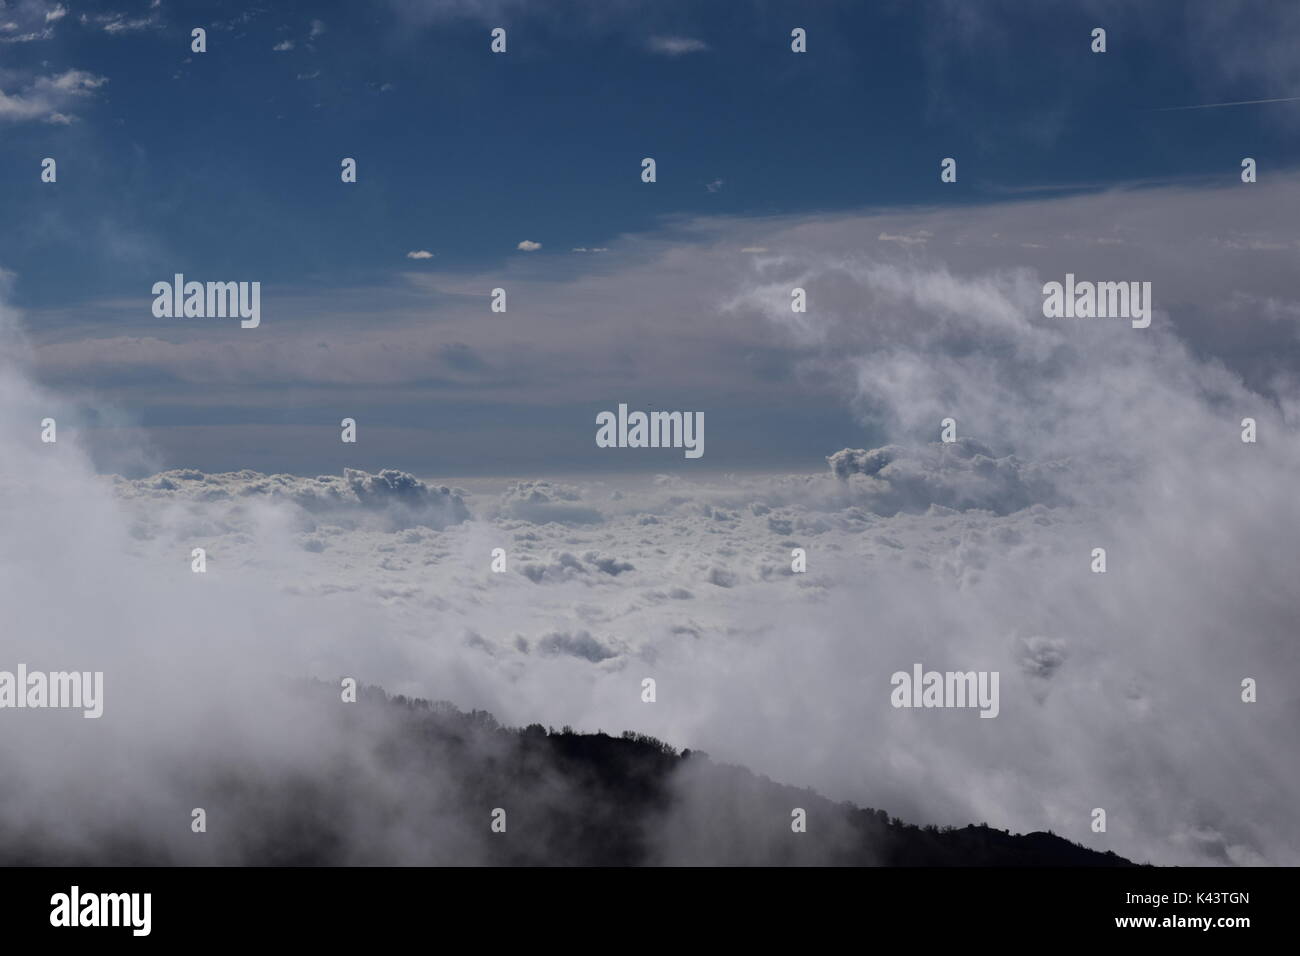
(1120,690)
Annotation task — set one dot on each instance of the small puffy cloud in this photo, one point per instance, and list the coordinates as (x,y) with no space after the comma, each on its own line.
(419,254)
(722,577)
(542,501)
(607,565)
(567,566)
(72,82)
(47,97)
(580,644)
(714,186)
(282,46)
(528,246)
(676,46)
(1040,657)
(563,566)
(57,12)
(317,28)
(859,461)
(961,475)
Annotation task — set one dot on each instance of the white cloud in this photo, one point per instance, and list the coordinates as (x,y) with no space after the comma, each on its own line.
(116,24)
(28,37)
(1072,435)
(419,254)
(33,21)
(704,594)
(282,46)
(962,475)
(47,97)
(543,501)
(918,239)
(857,298)
(675,45)
(529,246)
(390,499)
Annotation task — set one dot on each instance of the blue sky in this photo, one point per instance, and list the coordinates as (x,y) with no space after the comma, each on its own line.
(225,165)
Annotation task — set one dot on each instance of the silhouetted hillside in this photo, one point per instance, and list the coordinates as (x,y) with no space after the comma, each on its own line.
(399,781)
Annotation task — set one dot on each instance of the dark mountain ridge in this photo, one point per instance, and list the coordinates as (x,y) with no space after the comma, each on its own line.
(411,782)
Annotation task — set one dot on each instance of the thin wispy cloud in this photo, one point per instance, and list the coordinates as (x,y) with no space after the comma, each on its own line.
(27,37)
(676,46)
(117,24)
(1212,106)
(919,238)
(30,21)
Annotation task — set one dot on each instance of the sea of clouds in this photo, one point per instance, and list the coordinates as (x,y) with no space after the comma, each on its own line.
(1118,690)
